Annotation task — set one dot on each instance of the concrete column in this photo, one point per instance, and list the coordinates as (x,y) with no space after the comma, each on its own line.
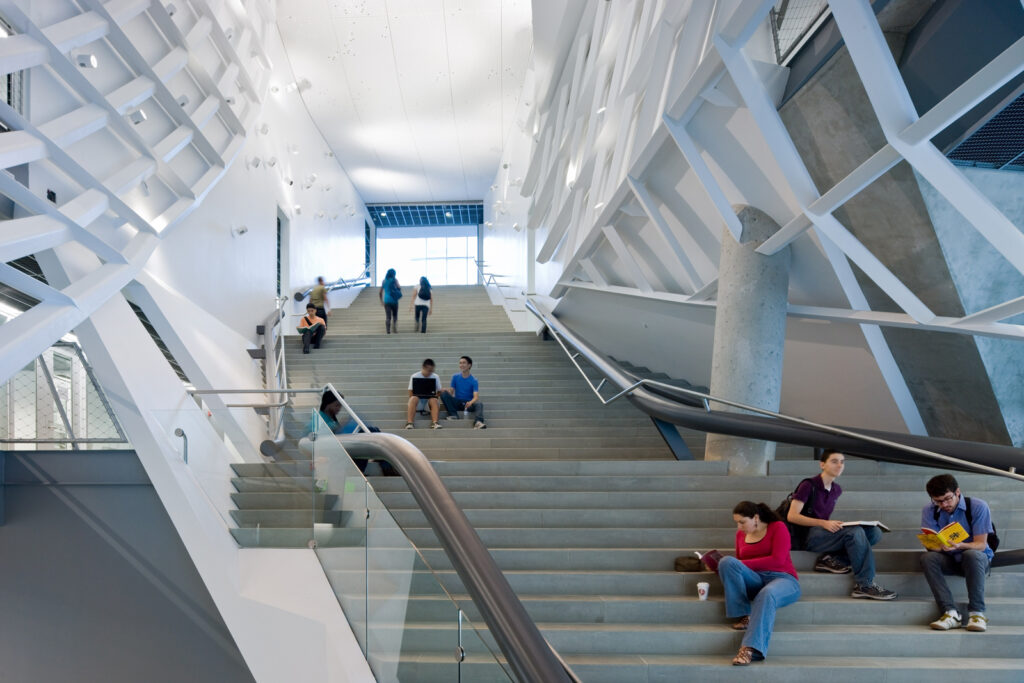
(750,332)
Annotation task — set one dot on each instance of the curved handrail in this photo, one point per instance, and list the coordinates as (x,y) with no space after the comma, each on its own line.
(341,283)
(528,653)
(531,657)
(692,409)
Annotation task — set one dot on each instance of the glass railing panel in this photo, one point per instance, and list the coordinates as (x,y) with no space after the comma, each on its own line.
(405,619)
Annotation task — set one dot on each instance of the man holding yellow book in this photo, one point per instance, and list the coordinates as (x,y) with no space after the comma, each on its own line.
(958,545)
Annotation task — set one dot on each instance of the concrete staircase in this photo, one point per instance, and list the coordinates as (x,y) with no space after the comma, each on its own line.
(584,509)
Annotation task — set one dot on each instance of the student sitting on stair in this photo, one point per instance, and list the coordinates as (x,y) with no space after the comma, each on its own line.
(759,580)
(416,393)
(813,503)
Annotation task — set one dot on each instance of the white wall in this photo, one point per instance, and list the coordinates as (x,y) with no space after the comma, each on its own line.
(829,374)
(233,277)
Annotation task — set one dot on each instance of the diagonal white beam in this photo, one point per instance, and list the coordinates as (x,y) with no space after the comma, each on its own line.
(622,251)
(593,273)
(895,112)
(693,157)
(25,283)
(983,83)
(23,236)
(862,176)
(995,313)
(691,277)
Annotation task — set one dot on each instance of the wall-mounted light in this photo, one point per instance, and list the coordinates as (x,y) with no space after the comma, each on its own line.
(289,182)
(515,226)
(171,10)
(264,129)
(447,214)
(327,188)
(275,89)
(254,162)
(144,188)
(383,214)
(229,32)
(298,209)
(230,99)
(86,60)
(137,116)
(183,101)
(239,231)
(272,162)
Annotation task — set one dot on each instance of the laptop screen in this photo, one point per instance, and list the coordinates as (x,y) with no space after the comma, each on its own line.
(424,386)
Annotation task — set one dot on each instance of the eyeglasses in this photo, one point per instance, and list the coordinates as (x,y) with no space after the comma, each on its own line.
(948,498)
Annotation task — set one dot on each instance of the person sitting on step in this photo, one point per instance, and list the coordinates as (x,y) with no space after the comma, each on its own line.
(312,328)
(421,388)
(759,579)
(970,559)
(330,410)
(464,394)
(813,503)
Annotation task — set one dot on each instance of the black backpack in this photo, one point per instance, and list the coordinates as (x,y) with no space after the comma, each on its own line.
(424,293)
(993,538)
(797,532)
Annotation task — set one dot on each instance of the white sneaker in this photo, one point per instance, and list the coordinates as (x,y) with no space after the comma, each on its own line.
(977,622)
(947,621)
(436,425)
(409,425)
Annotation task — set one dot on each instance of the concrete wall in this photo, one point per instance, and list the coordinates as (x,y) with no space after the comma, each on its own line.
(95,583)
(834,129)
(984,278)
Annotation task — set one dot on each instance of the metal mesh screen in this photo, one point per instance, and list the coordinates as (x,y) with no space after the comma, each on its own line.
(53,403)
(999,143)
(791,19)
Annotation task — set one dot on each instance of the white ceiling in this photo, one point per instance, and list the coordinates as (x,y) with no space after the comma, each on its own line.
(414,97)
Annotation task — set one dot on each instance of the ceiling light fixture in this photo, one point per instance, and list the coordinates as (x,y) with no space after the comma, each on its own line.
(183,101)
(298,209)
(254,162)
(144,188)
(447,214)
(137,116)
(272,162)
(86,60)
(383,214)
(264,129)
(239,231)
(229,32)
(171,10)
(230,99)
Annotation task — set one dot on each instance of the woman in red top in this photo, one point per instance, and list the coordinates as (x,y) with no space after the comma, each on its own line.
(760,579)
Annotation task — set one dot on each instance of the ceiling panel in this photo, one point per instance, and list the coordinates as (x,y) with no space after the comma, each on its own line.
(414,97)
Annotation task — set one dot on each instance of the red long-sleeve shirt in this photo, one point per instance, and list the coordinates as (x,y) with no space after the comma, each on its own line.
(770,554)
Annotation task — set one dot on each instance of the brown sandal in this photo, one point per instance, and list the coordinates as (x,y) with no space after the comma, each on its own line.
(742,624)
(744,656)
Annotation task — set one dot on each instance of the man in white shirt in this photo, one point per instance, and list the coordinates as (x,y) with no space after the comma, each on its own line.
(427,372)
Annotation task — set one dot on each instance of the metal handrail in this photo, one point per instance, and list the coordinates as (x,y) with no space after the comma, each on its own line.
(340,283)
(638,391)
(531,657)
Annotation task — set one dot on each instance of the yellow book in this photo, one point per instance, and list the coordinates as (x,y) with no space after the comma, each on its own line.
(946,537)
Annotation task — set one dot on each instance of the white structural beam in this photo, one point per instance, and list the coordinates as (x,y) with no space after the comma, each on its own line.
(691,278)
(626,258)
(996,313)
(831,314)
(895,111)
(25,236)
(593,273)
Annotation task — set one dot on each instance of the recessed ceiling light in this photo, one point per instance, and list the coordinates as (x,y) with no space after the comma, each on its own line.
(447,214)
(86,60)
(383,213)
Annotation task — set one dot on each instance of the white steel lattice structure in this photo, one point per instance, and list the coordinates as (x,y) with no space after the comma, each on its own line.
(189,81)
(661,84)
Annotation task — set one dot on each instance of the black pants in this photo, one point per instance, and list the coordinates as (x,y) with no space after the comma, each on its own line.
(390,313)
(422,310)
(322,312)
(312,338)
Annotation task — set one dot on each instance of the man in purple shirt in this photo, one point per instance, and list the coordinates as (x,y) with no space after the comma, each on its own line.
(970,559)
(812,506)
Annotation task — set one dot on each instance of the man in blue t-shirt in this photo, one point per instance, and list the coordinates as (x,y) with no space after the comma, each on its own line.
(464,394)
(970,559)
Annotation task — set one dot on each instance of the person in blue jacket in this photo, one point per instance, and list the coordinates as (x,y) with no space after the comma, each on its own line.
(389,294)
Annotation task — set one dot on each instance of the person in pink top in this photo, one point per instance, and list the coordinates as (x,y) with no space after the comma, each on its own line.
(759,580)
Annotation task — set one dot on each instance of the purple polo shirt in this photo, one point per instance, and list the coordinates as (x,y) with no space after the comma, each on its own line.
(822,502)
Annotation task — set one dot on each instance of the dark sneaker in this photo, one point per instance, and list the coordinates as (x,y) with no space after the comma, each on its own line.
(830,564)
(409,425)
(873,592)
(436,425)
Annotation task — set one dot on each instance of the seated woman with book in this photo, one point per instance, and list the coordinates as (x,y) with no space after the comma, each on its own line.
(312,328)
(760,579)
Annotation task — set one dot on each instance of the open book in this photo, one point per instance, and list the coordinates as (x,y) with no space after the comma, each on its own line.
(862,522)
(946,537)
(311,328)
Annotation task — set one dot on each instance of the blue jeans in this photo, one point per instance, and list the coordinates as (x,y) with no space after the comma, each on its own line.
(855,542)
(973,566)
(758,594)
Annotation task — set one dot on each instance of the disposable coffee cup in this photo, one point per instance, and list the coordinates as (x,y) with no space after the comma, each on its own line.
(702,590)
